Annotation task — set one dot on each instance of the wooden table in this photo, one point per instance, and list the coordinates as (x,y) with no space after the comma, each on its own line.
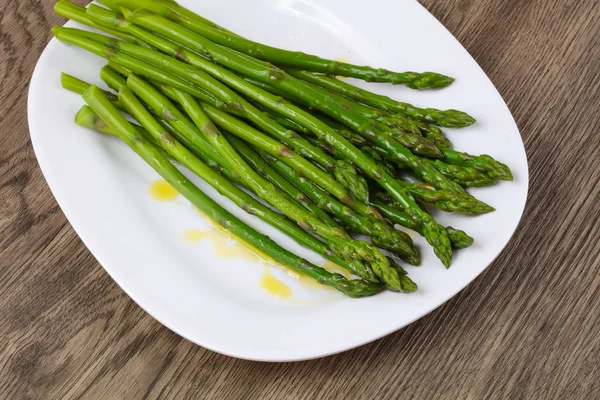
(528,327)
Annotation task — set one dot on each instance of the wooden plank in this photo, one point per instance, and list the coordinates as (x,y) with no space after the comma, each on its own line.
(527,328)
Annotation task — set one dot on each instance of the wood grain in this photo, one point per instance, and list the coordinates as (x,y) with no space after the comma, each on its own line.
(528,328)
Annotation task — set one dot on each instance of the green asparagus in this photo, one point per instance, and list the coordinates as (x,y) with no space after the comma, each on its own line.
(458,238)
(150,153)
(67,9)
(341,244)
(435,234)
(225,187)
(382,234)
(445,118)
(342,171)
(263,188)
(426,80)
(270,74)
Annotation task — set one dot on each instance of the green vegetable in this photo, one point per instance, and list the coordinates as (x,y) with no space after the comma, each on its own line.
(434,233)
(157,160)
(67,9)
(426,80)
(445,118)
(342,171)
(458,238)
(341,244)
(382,234)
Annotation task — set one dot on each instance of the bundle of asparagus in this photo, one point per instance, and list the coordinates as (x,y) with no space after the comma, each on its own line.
(331,158)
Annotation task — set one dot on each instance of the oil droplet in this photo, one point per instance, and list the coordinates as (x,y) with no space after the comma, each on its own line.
(228,248)
(274,286)
(303,280)
(227,245)
(195,235)
(161,190)
(333,268)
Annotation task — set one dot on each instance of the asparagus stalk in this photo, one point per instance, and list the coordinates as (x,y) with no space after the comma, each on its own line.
(341,244)
(179,10)
(223,186)
(435,234)
(446,118)
(151,154)
(426,80)
(343,172)
(484,166)
(382,234)
(458,238)
(70,10)
(87,118)
(272,75)
(78,86)
(353,252)
(117,82)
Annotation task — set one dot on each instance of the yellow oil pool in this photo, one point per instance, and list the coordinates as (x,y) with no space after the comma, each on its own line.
(161,190)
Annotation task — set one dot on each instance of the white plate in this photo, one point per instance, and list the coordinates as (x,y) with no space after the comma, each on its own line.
(102,187)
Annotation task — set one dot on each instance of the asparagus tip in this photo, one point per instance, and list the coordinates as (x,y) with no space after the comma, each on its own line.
(430,80)
(408,285)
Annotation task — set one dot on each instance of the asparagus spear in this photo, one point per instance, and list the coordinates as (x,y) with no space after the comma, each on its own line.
(242,129)
(151,154)
(86,117)
(434,233)
(225,187)
(272,75)
(179,10)
(382,235)
(426,80)
(78,86)
(487,167)
(458,238)
(67,9)
(341,244)
(342,171)
(446,118)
